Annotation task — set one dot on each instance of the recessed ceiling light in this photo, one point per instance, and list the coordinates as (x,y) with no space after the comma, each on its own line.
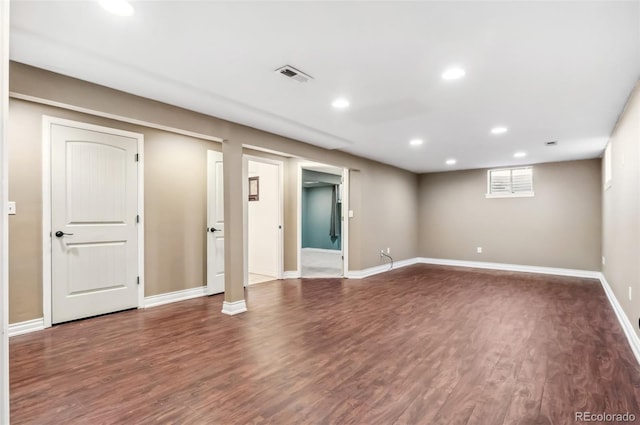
(519,154)
(416,142)
(453,74)
(450,161)
(117,7)
(340,103)
(498,130)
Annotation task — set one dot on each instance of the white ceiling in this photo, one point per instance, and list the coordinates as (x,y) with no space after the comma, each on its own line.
(546,70)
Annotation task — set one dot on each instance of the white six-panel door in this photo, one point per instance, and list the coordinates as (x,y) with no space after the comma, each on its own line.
(94,203)
(215,224)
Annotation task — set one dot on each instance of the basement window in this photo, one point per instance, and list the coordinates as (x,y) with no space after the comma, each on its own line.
(607,167)
(510,182)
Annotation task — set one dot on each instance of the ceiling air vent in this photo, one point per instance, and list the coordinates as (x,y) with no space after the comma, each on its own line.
(552,143)
(297,75)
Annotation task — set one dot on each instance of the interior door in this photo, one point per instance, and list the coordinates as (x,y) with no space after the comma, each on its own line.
(94,246)
(215,224)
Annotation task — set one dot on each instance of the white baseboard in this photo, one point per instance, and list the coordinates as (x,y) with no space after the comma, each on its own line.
(627,327)
(26,327)
(361,274)
(171,297)
(291,274)
(511,267)
(234,308)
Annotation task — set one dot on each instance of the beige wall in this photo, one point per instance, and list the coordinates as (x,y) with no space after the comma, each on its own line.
(389,208)
(175,206)
(389,225)
(558,227)
(621,211)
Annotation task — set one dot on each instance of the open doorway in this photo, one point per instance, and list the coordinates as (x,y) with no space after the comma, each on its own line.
(263,248)
(321,221)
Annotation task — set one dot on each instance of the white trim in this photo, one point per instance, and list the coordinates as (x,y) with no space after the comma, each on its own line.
(4,220)
(245,222)
(510,195)
(47,122)
(360,274)
(330,251)
(511,267)
(46,222)
(115,117)
(299,217)
(626,325)
(291,274)
(140,224)
(26,327)
(344,220)
(245,213)
(382,268)
(234,308)
(172,297)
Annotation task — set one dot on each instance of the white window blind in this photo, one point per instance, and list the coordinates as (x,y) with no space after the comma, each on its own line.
(510,182)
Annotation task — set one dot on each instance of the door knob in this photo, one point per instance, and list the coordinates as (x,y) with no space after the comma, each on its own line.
(213,229)
(60,234)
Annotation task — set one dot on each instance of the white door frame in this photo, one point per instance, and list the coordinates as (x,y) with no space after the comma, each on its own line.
(344,220)
(47,122)
(245,212)
(4,221)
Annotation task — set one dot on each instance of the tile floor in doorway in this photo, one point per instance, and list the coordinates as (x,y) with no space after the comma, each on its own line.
(321,263)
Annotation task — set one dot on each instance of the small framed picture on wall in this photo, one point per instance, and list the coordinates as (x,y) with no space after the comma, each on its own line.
(254,188)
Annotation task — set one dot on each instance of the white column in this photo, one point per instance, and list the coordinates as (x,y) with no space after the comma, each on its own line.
(4,222)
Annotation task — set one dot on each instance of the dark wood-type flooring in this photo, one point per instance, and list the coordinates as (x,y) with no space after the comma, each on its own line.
(418,345)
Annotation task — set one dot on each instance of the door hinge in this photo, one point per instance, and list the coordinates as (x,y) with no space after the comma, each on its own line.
(138,280)
(137,157)
(137,218)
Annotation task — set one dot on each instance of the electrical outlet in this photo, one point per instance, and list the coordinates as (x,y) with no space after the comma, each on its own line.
(388,250)
(630,294)
(604,261)
(479,250)
(381,253)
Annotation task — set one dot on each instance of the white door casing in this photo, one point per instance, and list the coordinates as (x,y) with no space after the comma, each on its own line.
(344,249)
(215,223)
(95,200)
(4,222)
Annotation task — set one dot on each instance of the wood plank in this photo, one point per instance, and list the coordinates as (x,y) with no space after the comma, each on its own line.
(420,345)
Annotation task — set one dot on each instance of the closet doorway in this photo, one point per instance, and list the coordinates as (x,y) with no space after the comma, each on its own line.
(263,215)
(321,224)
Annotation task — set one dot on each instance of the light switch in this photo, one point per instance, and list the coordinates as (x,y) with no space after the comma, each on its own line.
(11,207)
(350,213)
